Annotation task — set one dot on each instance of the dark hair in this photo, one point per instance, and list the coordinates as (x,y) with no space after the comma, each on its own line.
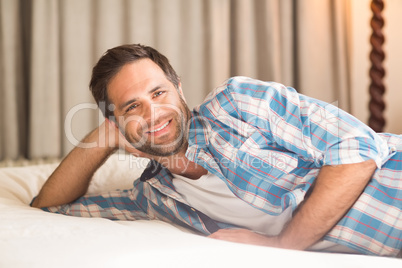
(114,59)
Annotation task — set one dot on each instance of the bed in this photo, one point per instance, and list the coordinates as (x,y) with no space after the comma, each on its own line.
(30,237)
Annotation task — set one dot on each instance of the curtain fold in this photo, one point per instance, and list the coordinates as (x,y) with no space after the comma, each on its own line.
(48,49)
(322,47)
(10,85)
(45,81)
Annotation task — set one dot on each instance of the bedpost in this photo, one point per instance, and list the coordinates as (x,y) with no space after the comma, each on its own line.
(377,72)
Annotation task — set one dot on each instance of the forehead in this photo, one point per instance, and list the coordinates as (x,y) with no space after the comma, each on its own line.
(134,78)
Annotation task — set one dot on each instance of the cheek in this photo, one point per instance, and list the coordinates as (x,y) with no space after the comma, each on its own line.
(133,127)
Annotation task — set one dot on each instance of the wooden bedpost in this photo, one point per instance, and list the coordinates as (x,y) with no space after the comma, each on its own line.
(377,72)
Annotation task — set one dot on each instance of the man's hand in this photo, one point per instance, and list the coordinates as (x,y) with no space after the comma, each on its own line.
(117,139)
(246,237)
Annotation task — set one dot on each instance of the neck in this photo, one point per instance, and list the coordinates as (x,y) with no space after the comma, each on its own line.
(180,165)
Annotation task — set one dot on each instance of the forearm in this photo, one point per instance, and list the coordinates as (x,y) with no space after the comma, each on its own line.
(71,178)
(336,190)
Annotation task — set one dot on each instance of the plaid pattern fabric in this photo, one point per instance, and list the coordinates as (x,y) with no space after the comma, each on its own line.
(267,143)
(153,197)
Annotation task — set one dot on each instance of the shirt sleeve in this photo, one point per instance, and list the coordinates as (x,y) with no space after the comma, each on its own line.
(312,129)
(115,205)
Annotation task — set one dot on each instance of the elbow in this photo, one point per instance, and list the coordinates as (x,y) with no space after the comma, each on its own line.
(365,170)
(370,165)
(37,202)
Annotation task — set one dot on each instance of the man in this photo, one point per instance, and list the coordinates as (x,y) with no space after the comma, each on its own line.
(255,163)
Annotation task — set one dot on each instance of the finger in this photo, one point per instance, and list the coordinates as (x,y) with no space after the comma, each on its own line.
(111,123)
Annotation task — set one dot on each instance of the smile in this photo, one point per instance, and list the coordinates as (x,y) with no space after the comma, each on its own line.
(160,128)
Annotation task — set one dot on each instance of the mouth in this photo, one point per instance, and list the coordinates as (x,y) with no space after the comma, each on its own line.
(160,128)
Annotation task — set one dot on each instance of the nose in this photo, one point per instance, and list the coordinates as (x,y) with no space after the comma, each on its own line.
(146,111)
(150,112)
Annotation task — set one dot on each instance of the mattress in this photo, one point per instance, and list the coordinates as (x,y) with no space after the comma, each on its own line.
(30,237)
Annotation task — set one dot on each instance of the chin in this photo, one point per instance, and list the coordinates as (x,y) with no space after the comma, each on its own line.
(164,150)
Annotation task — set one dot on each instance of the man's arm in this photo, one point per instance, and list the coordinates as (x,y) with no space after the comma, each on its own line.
(71,178)
(336,190)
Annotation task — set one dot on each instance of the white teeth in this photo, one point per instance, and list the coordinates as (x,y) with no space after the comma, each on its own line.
(162,127)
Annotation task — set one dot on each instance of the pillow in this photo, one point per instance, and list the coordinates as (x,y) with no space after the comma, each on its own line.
(20,184)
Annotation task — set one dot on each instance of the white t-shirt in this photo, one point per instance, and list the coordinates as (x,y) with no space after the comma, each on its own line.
(211,196)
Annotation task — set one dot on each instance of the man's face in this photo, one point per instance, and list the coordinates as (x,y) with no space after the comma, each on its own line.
(149,110)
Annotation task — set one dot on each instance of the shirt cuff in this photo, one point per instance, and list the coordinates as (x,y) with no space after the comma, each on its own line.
(356,150)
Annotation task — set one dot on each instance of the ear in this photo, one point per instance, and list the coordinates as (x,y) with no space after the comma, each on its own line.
(180,90)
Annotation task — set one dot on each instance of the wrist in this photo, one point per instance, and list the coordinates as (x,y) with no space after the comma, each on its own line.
(276,241)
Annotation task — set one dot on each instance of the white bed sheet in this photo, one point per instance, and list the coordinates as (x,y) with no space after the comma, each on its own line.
(31,238)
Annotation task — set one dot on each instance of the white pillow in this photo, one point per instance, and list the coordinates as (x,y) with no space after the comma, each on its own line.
(20,184)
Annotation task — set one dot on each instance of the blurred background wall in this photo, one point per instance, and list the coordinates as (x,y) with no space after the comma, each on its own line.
(48,48)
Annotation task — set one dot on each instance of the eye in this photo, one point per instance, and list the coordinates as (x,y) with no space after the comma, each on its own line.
(158,93)
(132,107)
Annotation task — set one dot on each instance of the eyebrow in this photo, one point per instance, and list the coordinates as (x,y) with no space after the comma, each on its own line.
(125,104)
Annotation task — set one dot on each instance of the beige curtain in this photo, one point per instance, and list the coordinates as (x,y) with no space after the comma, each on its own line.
(48,48)
(323,50)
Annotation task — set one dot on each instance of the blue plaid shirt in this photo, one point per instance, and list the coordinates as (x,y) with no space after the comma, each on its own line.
(268,143)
